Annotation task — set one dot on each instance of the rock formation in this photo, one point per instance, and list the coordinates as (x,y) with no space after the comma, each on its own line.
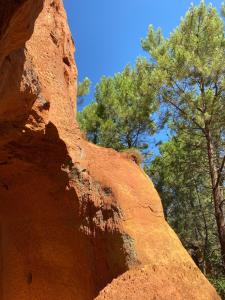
(74,217)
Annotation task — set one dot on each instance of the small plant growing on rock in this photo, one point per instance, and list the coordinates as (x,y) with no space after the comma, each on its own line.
(134,155)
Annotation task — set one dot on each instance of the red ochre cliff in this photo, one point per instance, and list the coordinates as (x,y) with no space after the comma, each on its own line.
(76,221)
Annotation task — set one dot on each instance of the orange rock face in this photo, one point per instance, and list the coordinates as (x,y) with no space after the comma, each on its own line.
(74,217)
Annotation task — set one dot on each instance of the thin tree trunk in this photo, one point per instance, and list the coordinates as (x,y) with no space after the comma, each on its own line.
(206,240)
(216,192)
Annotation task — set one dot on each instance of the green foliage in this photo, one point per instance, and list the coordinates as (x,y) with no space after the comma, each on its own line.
(121,114)
(83,88)
(219,284)
(180,175)
(90,122)
(134,154)
(189,67)
(223,9)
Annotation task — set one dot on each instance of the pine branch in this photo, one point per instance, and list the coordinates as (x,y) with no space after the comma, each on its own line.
(185,114)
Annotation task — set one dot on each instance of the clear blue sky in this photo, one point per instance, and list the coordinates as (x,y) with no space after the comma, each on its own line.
(107,33)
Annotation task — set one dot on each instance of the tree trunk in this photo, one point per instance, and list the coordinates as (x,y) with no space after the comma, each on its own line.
(206,240)
(216,192)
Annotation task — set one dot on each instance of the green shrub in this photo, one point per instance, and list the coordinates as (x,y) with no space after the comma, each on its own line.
(133,154)
(219,284)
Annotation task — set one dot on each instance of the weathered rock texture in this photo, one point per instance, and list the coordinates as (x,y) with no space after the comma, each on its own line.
(73,216)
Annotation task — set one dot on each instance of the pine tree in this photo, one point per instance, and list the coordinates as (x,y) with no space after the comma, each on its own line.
(83,88)
(121,114)
(189,79)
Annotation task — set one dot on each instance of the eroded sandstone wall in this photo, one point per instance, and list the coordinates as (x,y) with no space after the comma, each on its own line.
(73,216)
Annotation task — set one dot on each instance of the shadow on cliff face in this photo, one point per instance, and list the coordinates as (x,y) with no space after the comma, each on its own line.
(19,88)
(19,85)
(48,233)
(13,35)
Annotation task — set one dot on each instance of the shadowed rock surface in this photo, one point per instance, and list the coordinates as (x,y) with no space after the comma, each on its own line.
(73,216)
